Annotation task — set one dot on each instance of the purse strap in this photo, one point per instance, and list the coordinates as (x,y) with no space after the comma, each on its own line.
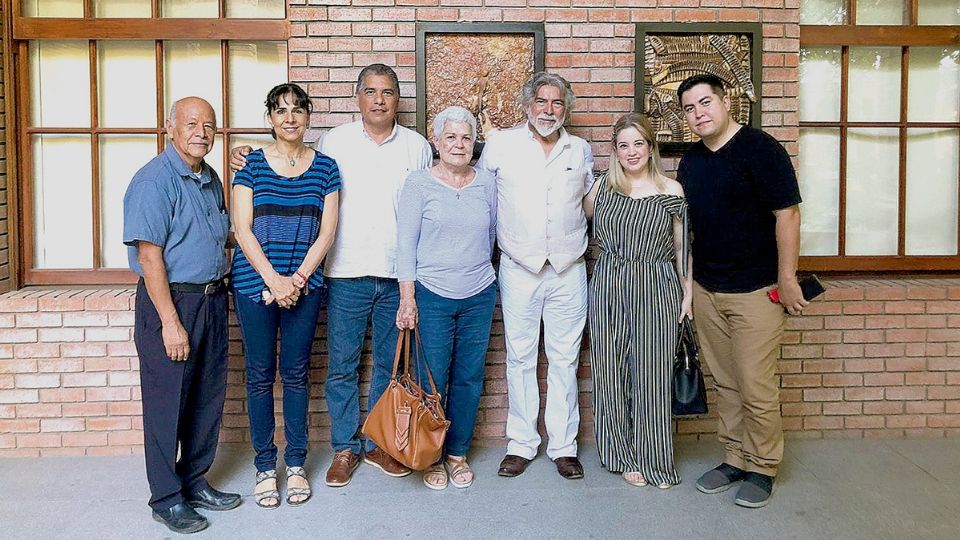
(426,366)
(404,341)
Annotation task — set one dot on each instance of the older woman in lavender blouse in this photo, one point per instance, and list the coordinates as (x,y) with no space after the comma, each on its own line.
(447,221)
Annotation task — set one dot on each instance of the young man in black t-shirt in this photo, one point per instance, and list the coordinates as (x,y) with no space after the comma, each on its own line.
(743,198)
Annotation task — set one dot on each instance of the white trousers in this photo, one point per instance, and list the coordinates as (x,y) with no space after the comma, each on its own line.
(560,300)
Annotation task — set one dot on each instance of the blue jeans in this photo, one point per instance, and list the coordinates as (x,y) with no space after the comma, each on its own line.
(351,305)
(455,336)
(259,325)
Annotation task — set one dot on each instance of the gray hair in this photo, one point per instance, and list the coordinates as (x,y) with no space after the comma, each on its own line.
(381,70)
(454,114)
(541,78)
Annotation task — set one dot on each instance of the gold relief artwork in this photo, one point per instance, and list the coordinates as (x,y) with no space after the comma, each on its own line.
(481,72)
(669,59)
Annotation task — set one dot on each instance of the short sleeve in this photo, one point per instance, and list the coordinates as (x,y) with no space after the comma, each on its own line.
(588,177)
(426,156)
(776,181)
(332,178)
(147,214)
(244,177)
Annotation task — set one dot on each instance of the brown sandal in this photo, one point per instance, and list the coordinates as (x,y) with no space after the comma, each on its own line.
(459,468)
(435,472)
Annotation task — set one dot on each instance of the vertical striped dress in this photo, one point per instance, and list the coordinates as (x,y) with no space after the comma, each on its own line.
(635,297)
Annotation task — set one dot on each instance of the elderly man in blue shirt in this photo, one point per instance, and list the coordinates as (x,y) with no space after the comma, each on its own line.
(175,226)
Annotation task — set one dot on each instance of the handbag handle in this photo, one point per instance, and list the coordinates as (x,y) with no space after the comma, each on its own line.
(426,366)
(403,344)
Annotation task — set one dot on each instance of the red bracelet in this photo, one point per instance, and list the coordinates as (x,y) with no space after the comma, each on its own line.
(301,276)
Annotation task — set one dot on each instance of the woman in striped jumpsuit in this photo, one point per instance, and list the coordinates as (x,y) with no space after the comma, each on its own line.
(641,288)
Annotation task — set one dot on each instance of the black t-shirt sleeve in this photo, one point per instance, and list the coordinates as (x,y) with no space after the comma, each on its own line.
(776,181)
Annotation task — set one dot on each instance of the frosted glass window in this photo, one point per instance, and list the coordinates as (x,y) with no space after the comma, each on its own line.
(932,175)
(934,84)
(62,210)
(52,8)
(121,8)
(127,83)
(252,140)
(879,12)
(823,12)
(872,191)
(200,9)
(255,9)
(215,159)
(819,176)
(192,68)
(121,156)
(938,12)
(819,84)
(59,83)
(255,67)
(874,94)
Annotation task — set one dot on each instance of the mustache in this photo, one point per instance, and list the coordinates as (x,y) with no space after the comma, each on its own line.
(550,117)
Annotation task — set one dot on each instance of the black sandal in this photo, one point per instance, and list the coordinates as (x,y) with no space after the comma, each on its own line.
(262,496)
(292,492)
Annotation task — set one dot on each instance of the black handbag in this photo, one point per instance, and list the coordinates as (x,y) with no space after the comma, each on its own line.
(689,392)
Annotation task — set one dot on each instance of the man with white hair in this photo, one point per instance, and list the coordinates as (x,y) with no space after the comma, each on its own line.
(543,173)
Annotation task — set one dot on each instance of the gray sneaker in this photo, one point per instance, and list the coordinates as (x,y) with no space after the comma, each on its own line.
(720,479)
(755,491)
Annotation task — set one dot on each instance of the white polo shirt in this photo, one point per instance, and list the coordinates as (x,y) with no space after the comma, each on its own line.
(371,176)
(540,199)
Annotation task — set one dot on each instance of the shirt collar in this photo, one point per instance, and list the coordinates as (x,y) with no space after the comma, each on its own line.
(393,132)
(181,167)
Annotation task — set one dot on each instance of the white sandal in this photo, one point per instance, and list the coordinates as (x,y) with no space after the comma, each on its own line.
(458,466)
(436,472)
(635,478)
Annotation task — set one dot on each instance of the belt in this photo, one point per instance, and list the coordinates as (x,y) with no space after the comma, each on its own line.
(212,287)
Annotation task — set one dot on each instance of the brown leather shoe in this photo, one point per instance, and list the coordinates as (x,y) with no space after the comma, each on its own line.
(385,462)
(569,467)
(513,465)
(341,470)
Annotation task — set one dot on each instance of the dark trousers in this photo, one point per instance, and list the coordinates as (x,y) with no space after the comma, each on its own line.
(182,401)
(455,336)
(259,326)
(352,304)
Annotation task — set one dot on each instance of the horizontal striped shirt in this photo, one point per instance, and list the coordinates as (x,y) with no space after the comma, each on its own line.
(286,218)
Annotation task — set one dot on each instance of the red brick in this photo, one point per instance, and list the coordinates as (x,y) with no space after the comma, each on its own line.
(38,410)
(924,407)
(48,425)
(842,379)
(59,365)
(863,422)
(927,293)
(865,393)
(47,380)
(84,439)
(842,408)
(801,409)
(816,365)
(20,425)
(884,351)
(847,350)
(18,366)
(12,304)
(108,334)
(823,394)
(108,423)
(800,381)
(61,303)
(885,293)
(77,350)
(906,335)
(945,306)
(61,395)
(862,308)
(84,409)
(943,392)
(883,379)
(823,422)
(18,335)
(823,336)
(884,321)
(905,393)
(107,303)
(73,380)
(125,408)
(113,393)
(39,320)
(945,420)
(863,336)
(54,335)
(882,407)
(926,321)
(906,364)
(943,364)
(38,440)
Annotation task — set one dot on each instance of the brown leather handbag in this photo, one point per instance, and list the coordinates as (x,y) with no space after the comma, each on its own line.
(407,422)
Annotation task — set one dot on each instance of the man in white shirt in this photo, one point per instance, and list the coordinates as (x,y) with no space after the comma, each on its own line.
(375,155)
(543,173)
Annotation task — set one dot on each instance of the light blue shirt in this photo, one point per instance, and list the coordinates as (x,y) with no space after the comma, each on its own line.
(445,236)
(168,205)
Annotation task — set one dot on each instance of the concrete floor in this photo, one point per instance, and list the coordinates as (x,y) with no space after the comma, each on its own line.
(826,489)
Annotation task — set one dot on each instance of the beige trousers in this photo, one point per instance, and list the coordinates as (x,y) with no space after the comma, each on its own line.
(740,337)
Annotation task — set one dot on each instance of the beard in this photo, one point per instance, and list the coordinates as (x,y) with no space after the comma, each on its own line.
(547,130)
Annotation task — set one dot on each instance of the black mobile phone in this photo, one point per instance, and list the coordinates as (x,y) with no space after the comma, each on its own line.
(811,287)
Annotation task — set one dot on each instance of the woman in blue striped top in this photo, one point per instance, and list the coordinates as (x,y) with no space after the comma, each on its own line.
(285,214)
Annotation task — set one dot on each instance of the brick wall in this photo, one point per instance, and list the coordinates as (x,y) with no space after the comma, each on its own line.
(871,359)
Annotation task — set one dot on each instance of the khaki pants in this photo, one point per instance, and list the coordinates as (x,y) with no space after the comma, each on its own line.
(740,341)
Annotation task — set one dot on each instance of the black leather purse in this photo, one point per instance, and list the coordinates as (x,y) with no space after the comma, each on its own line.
(689,392)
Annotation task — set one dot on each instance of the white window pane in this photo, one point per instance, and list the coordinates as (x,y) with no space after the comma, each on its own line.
(938,12)
(60,83)
(879,12)
(932,175)
(255,68)
(874,94)
(62,208)
(819,84)
(52,8)
(247,139)
(215,157)
(127,83)
(192,68)
(121,8)
(200,9)
(934,85)
(823,12)
(819,176)
(255,9)
(872,191)
(121,156)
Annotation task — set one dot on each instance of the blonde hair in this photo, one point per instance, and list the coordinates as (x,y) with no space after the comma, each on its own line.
(616,177)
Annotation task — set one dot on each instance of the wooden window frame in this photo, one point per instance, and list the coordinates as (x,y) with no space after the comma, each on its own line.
(92,30)
(905,36)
